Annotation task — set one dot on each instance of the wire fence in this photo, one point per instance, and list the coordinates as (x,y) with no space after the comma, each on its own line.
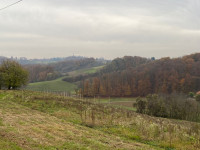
(57,92)
(66,94)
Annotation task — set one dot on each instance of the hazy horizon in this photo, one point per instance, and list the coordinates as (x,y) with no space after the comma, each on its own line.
(32,58)
(91,28)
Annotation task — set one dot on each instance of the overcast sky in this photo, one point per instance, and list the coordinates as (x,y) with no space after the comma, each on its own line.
(100,28)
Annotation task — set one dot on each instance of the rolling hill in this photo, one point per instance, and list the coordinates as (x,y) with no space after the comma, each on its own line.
(26,127)
(34,120)
(135,76)
(57,85)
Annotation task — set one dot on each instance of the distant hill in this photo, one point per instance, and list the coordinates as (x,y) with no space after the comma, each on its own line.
(53,68)
(127,78)
(127,62)
(2,58)
(71,65)
(51,71)
(118,64)
(61,84)
(25,61)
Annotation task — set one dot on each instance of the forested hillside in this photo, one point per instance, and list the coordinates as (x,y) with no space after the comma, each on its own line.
(41,72)
(46,72)
(127,62)
(53,68)
(145,77)
(118,64)
(71,65)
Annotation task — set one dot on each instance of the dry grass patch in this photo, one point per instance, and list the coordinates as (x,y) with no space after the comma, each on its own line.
(32,129)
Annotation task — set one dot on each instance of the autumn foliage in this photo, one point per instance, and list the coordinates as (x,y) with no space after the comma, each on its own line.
(141,76)
(46,72)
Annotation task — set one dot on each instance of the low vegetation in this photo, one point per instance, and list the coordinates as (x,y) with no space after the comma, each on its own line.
(33,120)
(43,121)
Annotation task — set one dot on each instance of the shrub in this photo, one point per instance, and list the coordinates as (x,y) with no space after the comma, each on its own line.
(198,98)
(191,94)
(140,105)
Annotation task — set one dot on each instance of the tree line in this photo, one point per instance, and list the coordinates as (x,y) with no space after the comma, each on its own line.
(176,106)
(39,72)
(165,75)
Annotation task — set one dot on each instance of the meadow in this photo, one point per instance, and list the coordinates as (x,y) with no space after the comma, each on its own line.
(57,85)
(120,102)
(85,71)
(35,120)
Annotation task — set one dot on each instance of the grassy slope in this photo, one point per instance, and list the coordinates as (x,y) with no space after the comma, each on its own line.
(54,85)
(25,124)
(85,71)
(31,120)
(59,84)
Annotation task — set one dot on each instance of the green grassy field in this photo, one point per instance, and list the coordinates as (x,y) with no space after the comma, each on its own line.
(117,99)
(85,71)
(59,84)
(122,102)
(54,85)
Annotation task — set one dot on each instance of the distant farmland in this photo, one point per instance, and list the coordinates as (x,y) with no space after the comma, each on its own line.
(85,71)
(54,85)
(59,84)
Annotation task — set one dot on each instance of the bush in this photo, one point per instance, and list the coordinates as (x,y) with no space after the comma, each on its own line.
(140,105)
(191,94)
(198,98)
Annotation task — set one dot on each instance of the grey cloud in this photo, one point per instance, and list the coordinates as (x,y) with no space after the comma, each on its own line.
(100,28)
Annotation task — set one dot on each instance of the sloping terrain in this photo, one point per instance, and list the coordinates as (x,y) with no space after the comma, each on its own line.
(34,120)
(59,84)
(51,71)
(25,128)
(53,86)
(140,77)
(85,71)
